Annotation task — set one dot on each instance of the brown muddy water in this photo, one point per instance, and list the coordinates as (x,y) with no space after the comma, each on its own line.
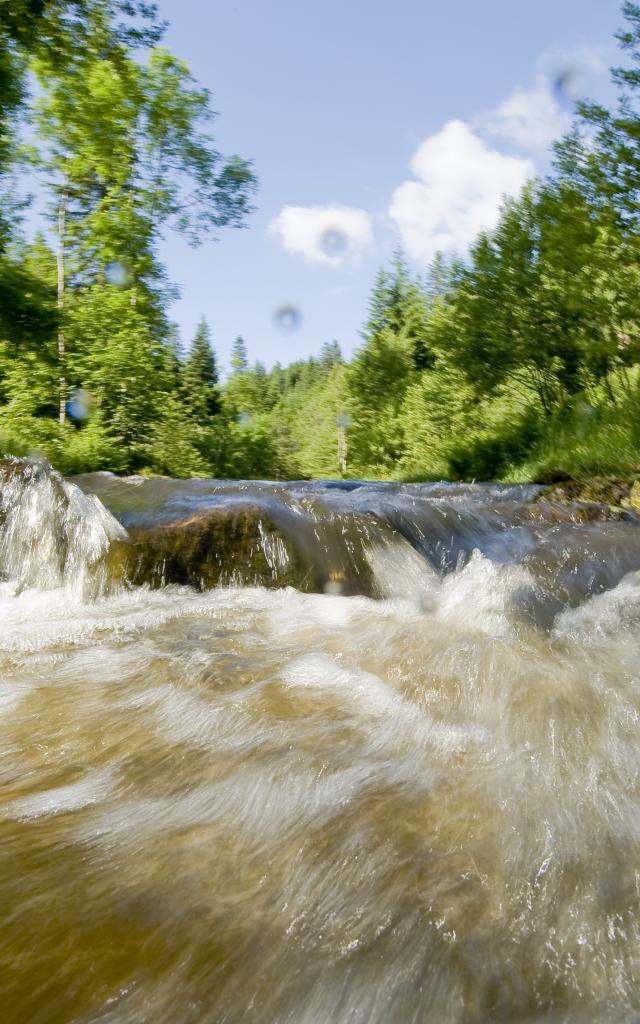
(263,805)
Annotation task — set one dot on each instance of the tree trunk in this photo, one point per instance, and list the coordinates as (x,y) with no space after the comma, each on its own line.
(62,382)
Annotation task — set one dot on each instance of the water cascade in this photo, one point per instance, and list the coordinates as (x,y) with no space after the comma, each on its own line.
(316,752)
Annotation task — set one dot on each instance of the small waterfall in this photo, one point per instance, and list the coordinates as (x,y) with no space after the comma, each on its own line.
(51,533)
(373,540)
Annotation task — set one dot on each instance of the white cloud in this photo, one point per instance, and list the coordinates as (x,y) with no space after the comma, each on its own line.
(458,190)
(530,118)
(533,118)
(461,174)
(332,234)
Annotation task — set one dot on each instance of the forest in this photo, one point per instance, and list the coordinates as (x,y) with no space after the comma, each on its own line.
(519,361)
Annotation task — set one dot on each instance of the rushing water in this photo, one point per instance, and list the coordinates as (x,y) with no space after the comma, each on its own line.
(263,805)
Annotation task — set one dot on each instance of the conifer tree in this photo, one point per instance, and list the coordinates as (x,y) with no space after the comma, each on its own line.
(239,357)
(200,375)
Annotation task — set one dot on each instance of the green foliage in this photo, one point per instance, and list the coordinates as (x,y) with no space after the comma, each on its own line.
(173,448)
(114,355)
(27,305)
(437,411)
(396,346)
(590,436)
(123,146)
(520,362)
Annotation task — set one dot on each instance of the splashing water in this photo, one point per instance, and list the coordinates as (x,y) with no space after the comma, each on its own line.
(52,534)
(252,805)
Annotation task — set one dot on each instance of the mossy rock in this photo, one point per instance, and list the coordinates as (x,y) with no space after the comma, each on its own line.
(606,492)
(633,500)
(218,546)
(236,545)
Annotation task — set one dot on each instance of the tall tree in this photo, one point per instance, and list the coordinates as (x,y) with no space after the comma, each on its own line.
(330,355)
(601,153)
(200,375)
(239,357)
(125,154)
(396,346)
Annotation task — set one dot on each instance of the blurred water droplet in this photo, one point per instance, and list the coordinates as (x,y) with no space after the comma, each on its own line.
(37,455)
(79,405)
(586,410)
(624,341)
(333,587)
(116,274)
(288,318)
(567,85)
(333,242)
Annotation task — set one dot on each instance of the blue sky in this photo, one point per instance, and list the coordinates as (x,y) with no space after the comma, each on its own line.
(369,124)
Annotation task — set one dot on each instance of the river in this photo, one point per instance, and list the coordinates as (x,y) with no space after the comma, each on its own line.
(404,790)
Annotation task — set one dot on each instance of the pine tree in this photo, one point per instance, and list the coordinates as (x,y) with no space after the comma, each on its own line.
(200,375)
(239,357)
(330,355)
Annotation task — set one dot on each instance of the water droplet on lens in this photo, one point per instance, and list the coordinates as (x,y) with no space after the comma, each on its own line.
(586,410)
(288,318)
(79,405)
(333,587)
(333,242)
(116,274)
(567,85)
(36,455)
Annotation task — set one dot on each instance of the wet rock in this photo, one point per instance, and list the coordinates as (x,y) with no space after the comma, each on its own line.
(217,546)
(633,500)
(597,499)
(545,510)
(243,544)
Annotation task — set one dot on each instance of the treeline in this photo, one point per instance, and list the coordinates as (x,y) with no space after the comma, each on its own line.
(522,361)
(519,362)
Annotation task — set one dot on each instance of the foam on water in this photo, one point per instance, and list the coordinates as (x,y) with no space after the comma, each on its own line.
(71,797)
(606,614)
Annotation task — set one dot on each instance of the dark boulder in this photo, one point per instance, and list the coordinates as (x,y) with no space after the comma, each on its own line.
(217,546)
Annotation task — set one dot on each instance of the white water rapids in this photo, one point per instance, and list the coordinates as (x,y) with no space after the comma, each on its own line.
(252,805)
